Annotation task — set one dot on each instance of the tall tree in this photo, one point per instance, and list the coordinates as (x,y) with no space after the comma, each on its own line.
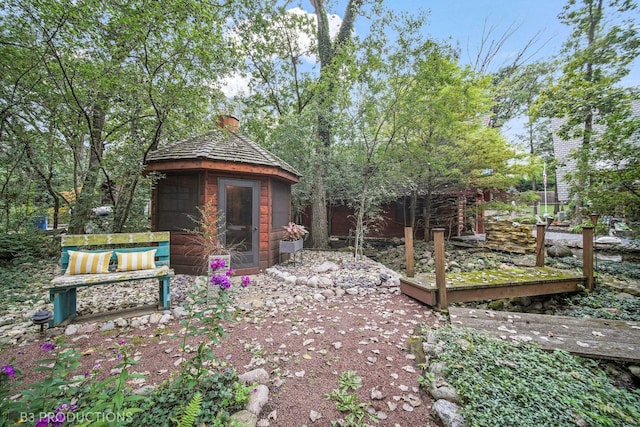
(587,95)
(446,146)
(117,79)
(289,77)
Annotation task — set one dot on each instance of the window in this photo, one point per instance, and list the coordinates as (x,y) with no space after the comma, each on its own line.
(177,203)
(280,204)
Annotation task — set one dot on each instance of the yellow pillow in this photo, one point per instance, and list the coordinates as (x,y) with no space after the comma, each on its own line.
(88,262)
(129,261)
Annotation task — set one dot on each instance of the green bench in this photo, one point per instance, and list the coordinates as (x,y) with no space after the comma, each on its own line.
(89,252)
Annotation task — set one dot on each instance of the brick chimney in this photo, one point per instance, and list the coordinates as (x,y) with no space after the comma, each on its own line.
(229,123)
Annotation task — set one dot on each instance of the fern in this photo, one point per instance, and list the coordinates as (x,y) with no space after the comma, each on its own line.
(191,411)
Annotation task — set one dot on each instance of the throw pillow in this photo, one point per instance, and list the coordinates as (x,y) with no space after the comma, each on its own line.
(129,261)
(88,262)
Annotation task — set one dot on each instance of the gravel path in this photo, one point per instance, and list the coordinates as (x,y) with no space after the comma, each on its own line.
(304,325)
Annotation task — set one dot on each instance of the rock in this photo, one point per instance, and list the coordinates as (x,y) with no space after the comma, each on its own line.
(145,390)
(258,398)
(87,328)
(313,282)
(448,413)
(326,267)
(559,251)
(121,323)
(71,329)
(635,370)
(440,389)
(179,312)
(259,376)
(154,319)
(243,418)
(108,326)
(314,416)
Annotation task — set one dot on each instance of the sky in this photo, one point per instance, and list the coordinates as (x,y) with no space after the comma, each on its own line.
(463,23)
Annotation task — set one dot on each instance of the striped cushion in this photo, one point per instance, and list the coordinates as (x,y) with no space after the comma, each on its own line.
(130,261)
(88,262)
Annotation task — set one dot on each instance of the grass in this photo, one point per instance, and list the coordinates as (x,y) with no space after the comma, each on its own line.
(503,385)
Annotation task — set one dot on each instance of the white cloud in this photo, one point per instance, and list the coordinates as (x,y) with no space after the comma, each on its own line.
(237,84)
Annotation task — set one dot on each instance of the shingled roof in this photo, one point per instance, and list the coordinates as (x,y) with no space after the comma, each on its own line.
(221,145)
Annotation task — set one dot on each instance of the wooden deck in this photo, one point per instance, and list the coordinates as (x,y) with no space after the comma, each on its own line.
(438,293)
(425,290)
(596,338)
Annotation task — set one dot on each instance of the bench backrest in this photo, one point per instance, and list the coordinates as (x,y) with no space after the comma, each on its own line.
(120,242)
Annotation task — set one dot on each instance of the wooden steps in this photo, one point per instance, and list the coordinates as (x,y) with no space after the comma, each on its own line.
(596,338)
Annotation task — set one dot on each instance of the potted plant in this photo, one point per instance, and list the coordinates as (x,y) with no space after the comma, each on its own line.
(294,235)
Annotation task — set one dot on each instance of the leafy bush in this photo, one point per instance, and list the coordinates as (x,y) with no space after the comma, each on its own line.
(28,246)
(221,392)
(503,385)
(601,228)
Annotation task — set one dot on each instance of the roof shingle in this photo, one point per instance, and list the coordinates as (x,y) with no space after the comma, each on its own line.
(220,144)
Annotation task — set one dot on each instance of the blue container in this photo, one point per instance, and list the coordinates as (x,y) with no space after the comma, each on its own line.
(40,222)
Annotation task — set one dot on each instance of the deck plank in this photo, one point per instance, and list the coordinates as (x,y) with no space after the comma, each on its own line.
(598,338)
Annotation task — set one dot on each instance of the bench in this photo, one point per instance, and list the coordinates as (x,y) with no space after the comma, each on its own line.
(89,252)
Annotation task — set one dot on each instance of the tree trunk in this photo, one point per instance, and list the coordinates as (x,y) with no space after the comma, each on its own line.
(319,227)
(82,207)
(326,96)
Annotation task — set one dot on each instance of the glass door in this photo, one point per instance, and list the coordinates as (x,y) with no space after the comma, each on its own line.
(239,201)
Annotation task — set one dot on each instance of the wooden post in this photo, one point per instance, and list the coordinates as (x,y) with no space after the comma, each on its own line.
(408,251)
(438,243)
(540,238)
(587,255)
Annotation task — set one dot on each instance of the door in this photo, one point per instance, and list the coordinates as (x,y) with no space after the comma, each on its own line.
(239,201)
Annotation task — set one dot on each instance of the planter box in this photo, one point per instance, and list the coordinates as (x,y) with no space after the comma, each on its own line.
(290,246)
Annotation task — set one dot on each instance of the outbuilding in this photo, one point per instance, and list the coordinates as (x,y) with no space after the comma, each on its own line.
(224,175)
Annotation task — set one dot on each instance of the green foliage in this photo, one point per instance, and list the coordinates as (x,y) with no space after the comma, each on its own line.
(217,385)
(356,411)
(28,246)
(191,411)
(504,385)
(587,96)
(602,303)
(221,394)
(600,229)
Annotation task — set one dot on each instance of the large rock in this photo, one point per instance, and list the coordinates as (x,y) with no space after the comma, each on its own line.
(243,418)
(259,397)
(327,266)
(559,251)
(259,376)
(448,413)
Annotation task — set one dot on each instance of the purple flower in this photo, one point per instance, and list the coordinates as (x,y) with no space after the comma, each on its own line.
(229,273)
(246,280)
(42,422)
(217,263)
(8,369)
(122,342)
(47,346)
(222,281)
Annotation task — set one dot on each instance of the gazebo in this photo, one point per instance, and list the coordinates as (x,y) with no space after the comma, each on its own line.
(249,187)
